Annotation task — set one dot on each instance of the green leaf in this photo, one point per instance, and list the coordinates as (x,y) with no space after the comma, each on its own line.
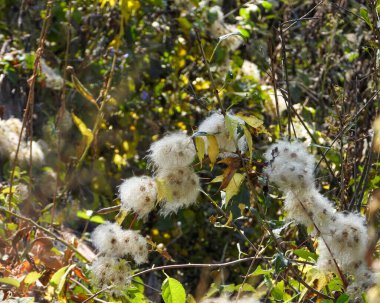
(267,5)
(365,16)
(10,281)
(173,291)
(278,291)
(59,278)
(343,298)
(87,215)
(32,277)
(305,254)
(259,271)
(279,262)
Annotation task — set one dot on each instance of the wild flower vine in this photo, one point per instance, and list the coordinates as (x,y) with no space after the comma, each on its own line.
(174,185)
(342,236)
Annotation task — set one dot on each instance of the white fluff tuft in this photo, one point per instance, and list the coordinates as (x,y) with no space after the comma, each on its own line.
(108,271)
(173,150)
(113,241)
(290,166)
(180,187)
(215,125)
(139,195)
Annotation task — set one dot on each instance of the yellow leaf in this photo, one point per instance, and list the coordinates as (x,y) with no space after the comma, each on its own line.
(86,132)
(213,149)
(200,145)
(376,138)
(251,120)
(163,192)
(248,138)
(233,187)
(217,179)
(121,215)
(83,91)
(318,278)
(32,277)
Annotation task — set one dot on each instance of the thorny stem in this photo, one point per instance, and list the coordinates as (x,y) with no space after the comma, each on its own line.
(59,239)
(213,85)
(28,114)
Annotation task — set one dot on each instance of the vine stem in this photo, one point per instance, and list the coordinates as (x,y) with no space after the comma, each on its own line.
(199,265)
(214,89)
(28,113)
(50,233)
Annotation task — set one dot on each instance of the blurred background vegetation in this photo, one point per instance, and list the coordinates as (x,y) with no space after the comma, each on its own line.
(134,70)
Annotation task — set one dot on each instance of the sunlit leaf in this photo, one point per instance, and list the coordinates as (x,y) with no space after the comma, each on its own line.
(83,90)
(32,277)
(163,191)
(173,291)
(213,149)
(10,281)
(87,215)
(200,146)
(251,120)
(86,132)
(248,138)
(233,186)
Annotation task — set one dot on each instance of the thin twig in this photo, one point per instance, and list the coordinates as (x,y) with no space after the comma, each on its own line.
(30,100)
(213,85)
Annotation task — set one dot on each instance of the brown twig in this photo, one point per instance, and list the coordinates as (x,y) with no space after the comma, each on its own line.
(213,85)
(28,113)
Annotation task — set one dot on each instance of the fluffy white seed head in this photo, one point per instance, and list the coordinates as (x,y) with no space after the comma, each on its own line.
(179,187)
(290,166)
(109,271)
(111,240)
(173,150)
(14,125)
(135,245)
(310,208)
(107,239)
(215,125)
(139,195)
(9,136)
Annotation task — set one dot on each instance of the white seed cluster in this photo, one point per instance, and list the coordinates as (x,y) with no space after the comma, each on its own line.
(9,136)
(181,188)
(114,243)
(111,240)
(343,236)
(172,156)
(173,150)
(139,195)
(111,272)
(215,125)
